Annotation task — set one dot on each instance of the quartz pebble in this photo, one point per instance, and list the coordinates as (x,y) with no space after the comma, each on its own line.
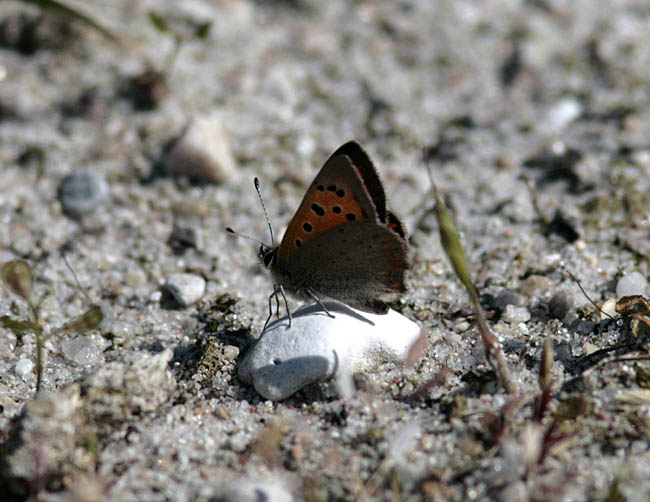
(561,114)
(185,288)
(81,350)
(631,284)
(81,192)
(514,314)
(202,152)
(316,347)
(24,368)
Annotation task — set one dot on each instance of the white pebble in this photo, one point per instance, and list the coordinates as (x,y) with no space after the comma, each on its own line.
(256,489)
(24,368)
(202,152)
(185,288)
(608,309)
(514,314)
(631,284)
(561,114)
(317,347)
(81,350)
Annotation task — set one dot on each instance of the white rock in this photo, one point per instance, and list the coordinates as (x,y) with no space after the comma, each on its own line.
(514,314)
(631,284)
(561,114)
(317,347)
(24,368)
(185,288)
(256,489)
(81,350)
(608,309)
(202,152)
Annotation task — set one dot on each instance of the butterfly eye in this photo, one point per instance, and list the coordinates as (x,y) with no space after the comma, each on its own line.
(267,255)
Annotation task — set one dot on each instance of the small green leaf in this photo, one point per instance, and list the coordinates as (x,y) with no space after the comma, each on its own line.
(18,327)
(450,240)
(158,22)
(17,277)
(86,321)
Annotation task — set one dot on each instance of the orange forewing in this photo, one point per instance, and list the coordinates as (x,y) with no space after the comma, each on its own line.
(337,196)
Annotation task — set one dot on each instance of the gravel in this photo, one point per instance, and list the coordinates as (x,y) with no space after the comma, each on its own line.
(493,96)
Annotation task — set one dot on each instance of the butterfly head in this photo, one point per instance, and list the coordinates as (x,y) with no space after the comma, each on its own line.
(267,255)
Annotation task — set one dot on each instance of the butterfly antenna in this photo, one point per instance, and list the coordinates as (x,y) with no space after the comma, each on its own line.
(231,231)
(256,181)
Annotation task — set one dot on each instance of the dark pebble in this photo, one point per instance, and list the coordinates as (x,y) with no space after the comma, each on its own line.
(81,192)
(559,305)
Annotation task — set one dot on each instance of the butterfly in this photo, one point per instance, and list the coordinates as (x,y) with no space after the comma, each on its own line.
(342,243)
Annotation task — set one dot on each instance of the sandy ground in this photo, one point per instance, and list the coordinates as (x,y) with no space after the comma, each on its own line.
(486,93)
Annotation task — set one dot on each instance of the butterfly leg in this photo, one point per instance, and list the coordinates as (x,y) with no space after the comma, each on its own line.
(278,291)
(286,303)
(274,294)
(313,296)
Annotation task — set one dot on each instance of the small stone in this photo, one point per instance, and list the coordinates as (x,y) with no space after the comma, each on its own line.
(230,352)
(631,284)
(24,368)
(125,389)
(514,314)
(562,351)
(256,489)
(238,442)
(182,238)
(535,285)
(202,153)
(559,305)
(506,298)
(8,342)
(561,114)
(81,192)
(608,309)
(584,328)
(81,350)
(185,288)
(135,276)
(460,326)
(317,347)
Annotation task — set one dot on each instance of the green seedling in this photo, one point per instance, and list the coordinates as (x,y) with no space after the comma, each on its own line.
(454,250)
(17,278)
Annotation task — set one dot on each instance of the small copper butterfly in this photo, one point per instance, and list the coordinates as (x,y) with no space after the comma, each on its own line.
(342,243)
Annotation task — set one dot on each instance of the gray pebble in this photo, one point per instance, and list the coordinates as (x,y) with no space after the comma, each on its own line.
(185,288)
(81,350)
(183,238)
(559,305)
(631,284)
(81,192)
(317,347)
(506,298)
(584,328)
